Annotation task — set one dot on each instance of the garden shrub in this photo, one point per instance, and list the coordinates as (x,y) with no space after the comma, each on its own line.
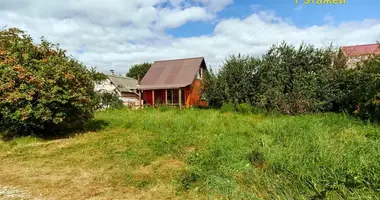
(108,100)
(244,108)
(42,90)
(228,107)
(296,80)
(361,88)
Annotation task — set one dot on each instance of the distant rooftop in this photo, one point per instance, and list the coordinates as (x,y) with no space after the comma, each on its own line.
(361,50)
(124,84)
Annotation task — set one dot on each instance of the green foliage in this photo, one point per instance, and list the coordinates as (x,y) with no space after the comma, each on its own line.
(227,107)
(230,84)
(138,70)
(96,76)
(361,87)
(42,90)
(256,158)
(108,100)
(294,80)
(212,91)
(242,108)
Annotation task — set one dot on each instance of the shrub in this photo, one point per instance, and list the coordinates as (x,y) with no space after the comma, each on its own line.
(42,90)
(236,81)
(244,108)
(213,92)
(361,90)
(108,100)
(227,107)
(287,79)
(296,80)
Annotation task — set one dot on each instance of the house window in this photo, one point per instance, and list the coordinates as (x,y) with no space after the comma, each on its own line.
(175,96)
(200,73)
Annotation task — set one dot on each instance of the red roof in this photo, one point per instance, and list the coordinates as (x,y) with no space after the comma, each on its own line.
(361,50)
(172,73)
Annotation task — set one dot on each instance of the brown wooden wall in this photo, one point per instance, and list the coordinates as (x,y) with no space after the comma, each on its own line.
(193,94)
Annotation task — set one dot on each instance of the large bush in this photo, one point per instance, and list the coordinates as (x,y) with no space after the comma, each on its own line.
(42,90)
(285,79)
(105,100)
(236,82)
(361,89)
(296,80)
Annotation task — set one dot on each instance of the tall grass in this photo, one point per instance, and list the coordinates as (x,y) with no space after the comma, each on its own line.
(227,155)
(309,156)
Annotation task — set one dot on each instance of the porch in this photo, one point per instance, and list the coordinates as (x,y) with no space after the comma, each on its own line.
(169,97)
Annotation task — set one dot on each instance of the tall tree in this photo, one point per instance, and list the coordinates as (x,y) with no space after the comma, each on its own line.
(138,70)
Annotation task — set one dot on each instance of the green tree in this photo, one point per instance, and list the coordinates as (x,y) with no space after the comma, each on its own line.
(360,88)
(297,80)
(138,70)
(236,81)
(42,90)
(97,76)
(212,91)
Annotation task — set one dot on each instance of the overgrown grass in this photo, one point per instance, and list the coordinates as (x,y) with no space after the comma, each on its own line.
(193,153)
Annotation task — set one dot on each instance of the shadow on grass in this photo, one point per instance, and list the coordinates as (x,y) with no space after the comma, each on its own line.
(93,125)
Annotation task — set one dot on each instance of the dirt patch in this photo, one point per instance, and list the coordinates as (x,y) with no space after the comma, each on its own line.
(7,192)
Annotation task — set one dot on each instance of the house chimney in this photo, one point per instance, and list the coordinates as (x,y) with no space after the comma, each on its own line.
(138,80)
(112,72)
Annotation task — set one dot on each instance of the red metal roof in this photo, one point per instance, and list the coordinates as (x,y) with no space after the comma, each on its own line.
(361,50)
(172,73)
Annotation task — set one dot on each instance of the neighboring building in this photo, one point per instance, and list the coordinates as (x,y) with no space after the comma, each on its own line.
(355,54)
(125,87)
(174,82)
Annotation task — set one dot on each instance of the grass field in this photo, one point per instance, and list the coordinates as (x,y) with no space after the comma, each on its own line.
(200,154)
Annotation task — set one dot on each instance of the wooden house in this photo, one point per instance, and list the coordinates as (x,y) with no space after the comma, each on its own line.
(174,82)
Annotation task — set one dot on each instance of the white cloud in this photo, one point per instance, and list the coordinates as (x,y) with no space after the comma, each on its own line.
(115,34)
(171,18)
(215,5)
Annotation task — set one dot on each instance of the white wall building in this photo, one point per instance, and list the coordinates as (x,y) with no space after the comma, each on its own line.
(125,87)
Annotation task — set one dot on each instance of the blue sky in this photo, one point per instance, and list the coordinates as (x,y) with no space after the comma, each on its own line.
(302,15)
(116,34)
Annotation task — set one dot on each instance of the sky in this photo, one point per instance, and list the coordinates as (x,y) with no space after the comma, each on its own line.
(116,34)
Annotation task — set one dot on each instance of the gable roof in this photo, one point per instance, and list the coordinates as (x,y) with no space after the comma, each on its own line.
(361,50)
(172,73)
(123,84)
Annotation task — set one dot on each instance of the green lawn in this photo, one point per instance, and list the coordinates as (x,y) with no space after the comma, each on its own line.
(200,154)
